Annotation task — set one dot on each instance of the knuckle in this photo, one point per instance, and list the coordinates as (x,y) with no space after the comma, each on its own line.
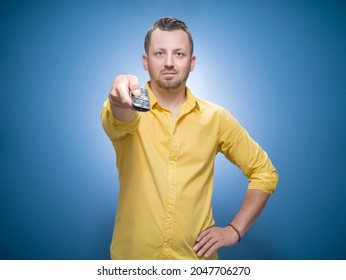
(112,94)
(117,87)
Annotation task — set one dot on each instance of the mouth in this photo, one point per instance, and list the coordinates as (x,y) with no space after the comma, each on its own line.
(169,73)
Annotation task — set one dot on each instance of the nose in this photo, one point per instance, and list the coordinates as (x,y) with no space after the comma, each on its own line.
(169,62)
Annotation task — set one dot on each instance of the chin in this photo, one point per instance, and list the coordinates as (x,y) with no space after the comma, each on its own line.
(165,85)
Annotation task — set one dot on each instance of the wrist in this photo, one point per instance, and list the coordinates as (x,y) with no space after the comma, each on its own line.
(122,114)
(235,229)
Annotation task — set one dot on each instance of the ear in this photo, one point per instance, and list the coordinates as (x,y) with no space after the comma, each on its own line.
(145,62)
(193,63)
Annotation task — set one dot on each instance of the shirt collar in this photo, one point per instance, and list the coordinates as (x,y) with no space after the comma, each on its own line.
(191,101)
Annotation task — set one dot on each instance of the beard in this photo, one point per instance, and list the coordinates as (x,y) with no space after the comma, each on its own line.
(168,84)
(175,82)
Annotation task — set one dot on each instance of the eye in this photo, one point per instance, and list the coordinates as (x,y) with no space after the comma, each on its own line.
(179,54)
(159,53)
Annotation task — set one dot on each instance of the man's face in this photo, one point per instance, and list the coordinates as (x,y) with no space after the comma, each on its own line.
(169,60)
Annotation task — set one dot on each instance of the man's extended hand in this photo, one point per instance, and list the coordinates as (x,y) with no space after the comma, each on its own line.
(120,96)
(212,239)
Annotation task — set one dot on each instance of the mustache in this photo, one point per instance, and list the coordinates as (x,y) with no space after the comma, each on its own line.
(169,70)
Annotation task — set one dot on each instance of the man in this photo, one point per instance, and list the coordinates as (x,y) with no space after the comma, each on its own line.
(165,158)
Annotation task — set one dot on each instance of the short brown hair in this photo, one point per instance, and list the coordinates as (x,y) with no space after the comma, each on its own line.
(167,24)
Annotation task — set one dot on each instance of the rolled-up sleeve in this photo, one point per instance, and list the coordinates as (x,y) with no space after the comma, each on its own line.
(115,129)
(237,146)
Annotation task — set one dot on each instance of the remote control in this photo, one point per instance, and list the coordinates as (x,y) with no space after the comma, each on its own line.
(141,103)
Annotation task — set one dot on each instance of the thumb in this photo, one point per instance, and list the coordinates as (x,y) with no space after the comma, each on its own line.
(134,86)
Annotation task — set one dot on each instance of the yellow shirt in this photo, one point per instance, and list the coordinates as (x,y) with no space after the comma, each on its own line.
(166,173)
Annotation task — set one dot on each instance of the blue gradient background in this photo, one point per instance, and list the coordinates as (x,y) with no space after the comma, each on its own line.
(278,66)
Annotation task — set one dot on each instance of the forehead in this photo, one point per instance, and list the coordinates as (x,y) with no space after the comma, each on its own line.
(176,39)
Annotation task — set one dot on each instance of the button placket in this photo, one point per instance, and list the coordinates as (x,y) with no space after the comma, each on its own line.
(170,197)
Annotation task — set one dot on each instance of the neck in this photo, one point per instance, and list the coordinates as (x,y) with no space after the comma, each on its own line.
(170,99)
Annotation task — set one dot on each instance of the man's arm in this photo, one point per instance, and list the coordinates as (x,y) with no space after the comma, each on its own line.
(237,146)
(214,238)
(118,117)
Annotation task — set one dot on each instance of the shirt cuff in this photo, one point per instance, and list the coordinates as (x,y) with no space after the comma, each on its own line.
(109,121)
(265,182)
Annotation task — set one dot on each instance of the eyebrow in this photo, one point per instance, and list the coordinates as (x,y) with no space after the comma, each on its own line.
(175,50)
